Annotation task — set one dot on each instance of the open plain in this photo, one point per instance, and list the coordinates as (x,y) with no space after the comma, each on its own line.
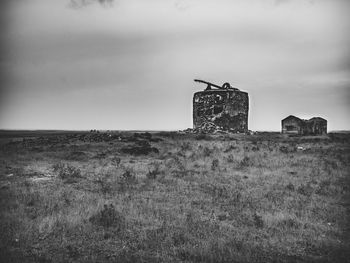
(173,197)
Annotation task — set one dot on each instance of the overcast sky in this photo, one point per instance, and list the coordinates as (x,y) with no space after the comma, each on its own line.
(130,64)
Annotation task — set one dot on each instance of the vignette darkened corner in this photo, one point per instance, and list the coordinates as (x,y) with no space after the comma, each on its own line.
(110,152)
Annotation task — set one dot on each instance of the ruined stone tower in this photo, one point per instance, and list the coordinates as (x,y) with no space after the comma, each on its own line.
(224,108)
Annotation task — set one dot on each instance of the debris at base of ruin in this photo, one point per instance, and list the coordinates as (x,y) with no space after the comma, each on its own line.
(211,128)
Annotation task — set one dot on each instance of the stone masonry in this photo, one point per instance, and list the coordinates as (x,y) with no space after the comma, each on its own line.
(222,109)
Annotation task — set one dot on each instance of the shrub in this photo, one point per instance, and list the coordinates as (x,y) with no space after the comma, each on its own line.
(214,164)
(105,184)
(207,151)
(245,162)
(255,148)
(287,149)
(57,167)
(290,187)
(177,163)
(230,148)
(141,148)
(254,142)
(258,221)
(172,135)
(128,174)
(100,155)
(185,146)
(77,156)
(152,174)
(145,135)
(306,190)
(127,179)
(289,223)
(178,167)
(109,217)
(330,164)
(116,161)
(323,188)
(230,158)
(203,136)
(67,172)
(217,191)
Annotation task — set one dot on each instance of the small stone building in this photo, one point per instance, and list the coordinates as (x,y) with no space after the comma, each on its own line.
(295,125)
(222,109)
(292,125)
(316,126)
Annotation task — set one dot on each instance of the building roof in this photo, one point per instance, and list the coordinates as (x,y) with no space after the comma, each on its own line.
(312,119)
(317,119)
(291,117)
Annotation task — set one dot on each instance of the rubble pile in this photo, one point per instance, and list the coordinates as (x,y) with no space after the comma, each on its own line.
(211,128)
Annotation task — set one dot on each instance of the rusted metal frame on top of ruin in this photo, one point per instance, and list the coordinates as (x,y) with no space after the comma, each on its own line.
(226,85)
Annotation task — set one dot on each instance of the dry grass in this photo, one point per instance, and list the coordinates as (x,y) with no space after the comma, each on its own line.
(177,198)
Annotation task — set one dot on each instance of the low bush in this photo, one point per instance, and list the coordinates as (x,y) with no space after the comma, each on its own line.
(214,164)
(185,146)
(287,149)
(306,190)
(140,148)
(105,183)
(230,148)
(127,180)
(116,161)
(207,151)
(258,221)
(67,172)
(230,158)
(109,217)
(245,162)
(77,156)
(204,137)
(290,187)
(154,171)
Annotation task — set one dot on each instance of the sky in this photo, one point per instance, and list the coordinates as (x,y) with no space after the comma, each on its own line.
(130,64)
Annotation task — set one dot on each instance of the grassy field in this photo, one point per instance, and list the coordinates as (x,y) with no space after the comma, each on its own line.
(172,197)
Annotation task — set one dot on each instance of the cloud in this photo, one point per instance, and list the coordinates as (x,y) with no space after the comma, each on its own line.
(280,2)
(126,63)
(83,3)
(183,5)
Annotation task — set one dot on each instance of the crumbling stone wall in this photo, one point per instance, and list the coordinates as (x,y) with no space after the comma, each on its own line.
(315,126)
(292,125)
(221,109)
